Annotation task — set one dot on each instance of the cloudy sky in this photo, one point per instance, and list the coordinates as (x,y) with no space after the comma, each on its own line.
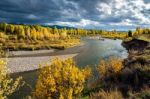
(90,14)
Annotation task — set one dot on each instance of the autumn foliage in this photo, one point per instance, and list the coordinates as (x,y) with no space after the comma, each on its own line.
(7,84)
(113,65)
(61,80)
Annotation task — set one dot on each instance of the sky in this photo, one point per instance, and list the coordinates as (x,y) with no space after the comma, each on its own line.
(88,14)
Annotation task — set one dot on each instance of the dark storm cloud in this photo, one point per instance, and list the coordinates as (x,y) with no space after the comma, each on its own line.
(50,10)
(80,13)
(29,10)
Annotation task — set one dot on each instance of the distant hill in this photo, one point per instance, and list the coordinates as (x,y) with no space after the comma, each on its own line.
(59,26)
(51,26)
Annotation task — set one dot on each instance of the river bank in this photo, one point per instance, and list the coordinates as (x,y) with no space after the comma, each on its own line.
(137,66)
(24,64)
(139,52)
(24,61)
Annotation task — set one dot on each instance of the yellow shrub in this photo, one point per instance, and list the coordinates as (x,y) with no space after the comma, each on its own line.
(102,67)
(116,64)
(2,35)
(61,80)
(113,65)
(7,85)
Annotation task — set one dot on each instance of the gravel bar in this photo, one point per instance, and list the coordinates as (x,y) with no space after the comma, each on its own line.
(22,64)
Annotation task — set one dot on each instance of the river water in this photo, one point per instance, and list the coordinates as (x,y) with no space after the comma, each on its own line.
(90,53)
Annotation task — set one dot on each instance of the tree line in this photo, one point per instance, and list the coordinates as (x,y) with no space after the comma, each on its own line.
(34,32)
(138,31)
(38,32)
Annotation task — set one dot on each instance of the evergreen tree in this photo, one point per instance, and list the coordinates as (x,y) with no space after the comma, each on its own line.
(129,33)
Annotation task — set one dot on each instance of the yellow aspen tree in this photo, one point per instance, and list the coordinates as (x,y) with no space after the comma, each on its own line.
(34,34)
(61,80)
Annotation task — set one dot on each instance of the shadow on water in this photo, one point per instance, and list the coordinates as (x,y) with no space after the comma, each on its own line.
(89,55)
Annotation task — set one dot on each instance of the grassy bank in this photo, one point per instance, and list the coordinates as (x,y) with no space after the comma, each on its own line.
(38,44)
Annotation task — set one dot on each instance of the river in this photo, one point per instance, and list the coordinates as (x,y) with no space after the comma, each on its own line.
(89,54)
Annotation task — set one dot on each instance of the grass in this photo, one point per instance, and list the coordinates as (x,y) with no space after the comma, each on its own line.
(36,45)
(127,39)
(144,37)
(143,94)
(115,36)
(115,94)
